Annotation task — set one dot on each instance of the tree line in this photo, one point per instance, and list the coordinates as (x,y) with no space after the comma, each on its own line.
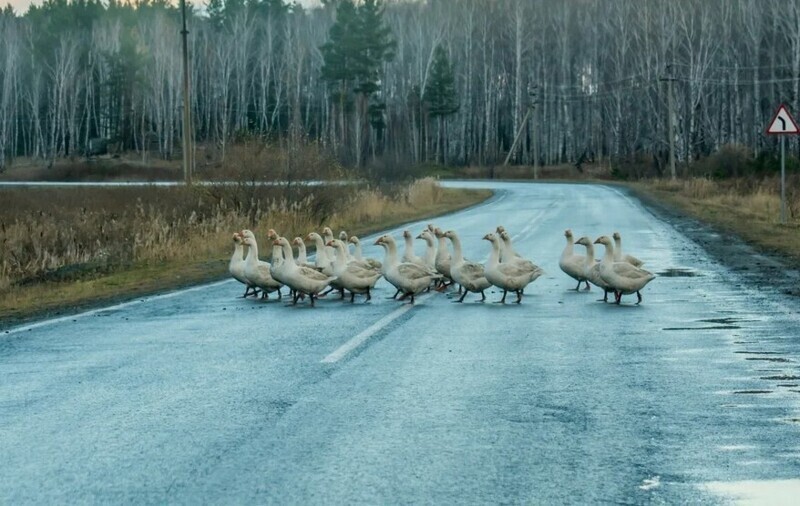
(452,81)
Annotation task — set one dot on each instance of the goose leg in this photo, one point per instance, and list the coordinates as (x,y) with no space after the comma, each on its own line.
(605,296)
(579,286)
(312,297)
(369,296)
(246,291)
(618,296)
(639,296)
(503,300)
(483,296)
(330,289)
(587,285)
(412,298)
(280,295)
(519,296)
(395,294)
(352,296)
(462,297)
(341,292)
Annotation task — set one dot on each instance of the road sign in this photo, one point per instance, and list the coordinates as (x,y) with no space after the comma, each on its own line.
(782,123)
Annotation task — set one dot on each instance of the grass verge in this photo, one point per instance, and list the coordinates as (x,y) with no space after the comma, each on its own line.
(747,208)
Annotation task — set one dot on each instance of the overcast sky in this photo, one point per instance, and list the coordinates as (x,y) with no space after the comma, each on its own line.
(20,6)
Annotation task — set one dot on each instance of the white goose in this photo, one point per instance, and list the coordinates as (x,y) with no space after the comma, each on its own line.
(507,252)
(571,263)
(327,235)
(258,271)
(469,275)
(352,276)
(358,254)
(430,249)
(408,252)
(321,259)
(303,280)
(443,258)
(591,268)
(409,278)
(509,276)
(623,277)
(302,254)
(237,264)
(619,257)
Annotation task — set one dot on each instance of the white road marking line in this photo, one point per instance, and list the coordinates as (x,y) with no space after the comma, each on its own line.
(370,331)
(60,319)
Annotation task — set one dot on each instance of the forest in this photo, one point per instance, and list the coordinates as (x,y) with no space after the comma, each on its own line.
(447,81)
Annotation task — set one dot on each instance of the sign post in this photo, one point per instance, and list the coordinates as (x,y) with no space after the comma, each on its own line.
(782,124)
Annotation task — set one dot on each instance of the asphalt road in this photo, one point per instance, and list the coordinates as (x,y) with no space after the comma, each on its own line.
(200,396)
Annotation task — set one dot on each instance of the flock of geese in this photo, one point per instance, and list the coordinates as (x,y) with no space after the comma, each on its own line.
(337,268)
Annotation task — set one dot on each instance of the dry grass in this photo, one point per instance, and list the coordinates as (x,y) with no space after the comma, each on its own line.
(747,207)
(72,246)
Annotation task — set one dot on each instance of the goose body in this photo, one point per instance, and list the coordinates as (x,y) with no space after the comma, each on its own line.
(470,275)
(623,277)
(322,260)
(571,263)
(620,257)
(258,271)
(236,266)
(509,276)
(430,249)
(591,268)
(443,258)
(409,278)
(358,254)
(303,280)
(352,276)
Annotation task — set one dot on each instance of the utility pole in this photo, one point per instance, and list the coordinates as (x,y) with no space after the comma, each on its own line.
(188,158)
(523,124)
(670,121)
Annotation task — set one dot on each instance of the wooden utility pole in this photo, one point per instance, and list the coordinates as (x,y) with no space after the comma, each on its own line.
(670,121)
(188,158)
(522,125)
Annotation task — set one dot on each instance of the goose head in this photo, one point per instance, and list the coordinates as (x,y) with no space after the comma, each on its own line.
(568,234)
(438,232)
(353,239)
(327,232)
(271,234)
(313,236)
(297,241)
(490,237)
(247,233)
(343,236)
(431,228)
(237,238)
(281,241)
(406,234)
(500,229)
(604,240)
(385,241)
(584,241)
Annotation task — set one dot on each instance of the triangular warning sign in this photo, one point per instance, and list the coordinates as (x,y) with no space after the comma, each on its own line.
(782,123)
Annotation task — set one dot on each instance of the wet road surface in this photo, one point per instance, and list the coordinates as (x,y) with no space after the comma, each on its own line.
(200,396)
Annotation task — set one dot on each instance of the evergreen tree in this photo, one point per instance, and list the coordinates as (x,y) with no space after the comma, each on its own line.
(440,95)
(358,46)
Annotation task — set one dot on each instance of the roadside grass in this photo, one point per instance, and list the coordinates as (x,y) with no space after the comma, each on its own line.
(70,248)
(747,207)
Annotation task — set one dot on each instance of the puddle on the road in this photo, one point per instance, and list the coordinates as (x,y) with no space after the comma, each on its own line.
(769,359)
(748,352)
(787,385)
(678,272)
(710,327)
(751,392)
(781,377)
(725,321)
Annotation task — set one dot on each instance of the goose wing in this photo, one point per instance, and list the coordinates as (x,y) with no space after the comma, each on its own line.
(412,271)
(628,271)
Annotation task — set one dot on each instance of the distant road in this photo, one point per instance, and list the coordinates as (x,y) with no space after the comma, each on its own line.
(201,397)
